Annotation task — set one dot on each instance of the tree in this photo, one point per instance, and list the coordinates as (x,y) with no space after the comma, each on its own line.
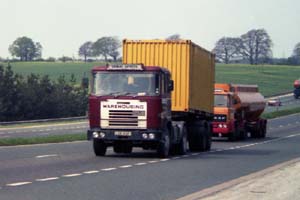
(86,50)
(227,48)
(296,52)
(174,37)
(106,46)
(25,49)
(256,44)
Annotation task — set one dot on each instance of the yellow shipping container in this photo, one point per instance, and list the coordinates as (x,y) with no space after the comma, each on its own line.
(192,69)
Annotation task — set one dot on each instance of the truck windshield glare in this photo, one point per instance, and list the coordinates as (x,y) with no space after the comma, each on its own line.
(125,83)
(221,101)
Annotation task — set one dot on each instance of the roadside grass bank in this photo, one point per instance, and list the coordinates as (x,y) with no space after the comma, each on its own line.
(43,139)
(41,124)
(281,113)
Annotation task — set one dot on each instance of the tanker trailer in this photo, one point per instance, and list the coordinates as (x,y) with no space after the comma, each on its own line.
(237,112)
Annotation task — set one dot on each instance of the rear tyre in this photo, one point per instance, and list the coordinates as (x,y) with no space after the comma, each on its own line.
(99,147)
(198,137)
(182,146)
(233,136)
(208,141)
(243,135)
(163,148)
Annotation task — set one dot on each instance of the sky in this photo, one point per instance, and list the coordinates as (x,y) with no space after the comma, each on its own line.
(61,26)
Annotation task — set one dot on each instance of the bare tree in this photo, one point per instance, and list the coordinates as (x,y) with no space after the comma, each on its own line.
(106,46)
(257,45)
(86,50)
(227,48)
(174,37)
(296,52)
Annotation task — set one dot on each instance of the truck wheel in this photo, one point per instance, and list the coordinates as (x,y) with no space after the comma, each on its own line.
(234,136)
(163,148)
(182,146)
(99,147)
(198,137)
(243,134)
(208,141)
(255,134)
(203,138)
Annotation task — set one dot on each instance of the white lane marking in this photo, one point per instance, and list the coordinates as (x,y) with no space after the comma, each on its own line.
(71,175)
(163,160)
(46,156)
(280,126)
(141,163)
(195,154)
(109,169)
(153,161)
(185,156)
(47,179)
(91,172)
(18,184)
(174,158)
(125,166)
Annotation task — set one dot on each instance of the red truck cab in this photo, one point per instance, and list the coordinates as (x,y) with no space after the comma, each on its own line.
(129,106)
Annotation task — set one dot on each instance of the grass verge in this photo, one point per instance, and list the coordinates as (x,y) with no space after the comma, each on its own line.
(42,140)
(40,124)
(281,113)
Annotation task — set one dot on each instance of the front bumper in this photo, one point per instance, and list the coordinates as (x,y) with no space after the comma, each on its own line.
(137,136)
(222,129)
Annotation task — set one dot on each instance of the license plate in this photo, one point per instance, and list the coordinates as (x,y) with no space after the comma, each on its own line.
(123,133)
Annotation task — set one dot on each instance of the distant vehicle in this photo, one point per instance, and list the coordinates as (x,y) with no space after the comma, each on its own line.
(139,105)
(274,102)
(237,111)
(297,89)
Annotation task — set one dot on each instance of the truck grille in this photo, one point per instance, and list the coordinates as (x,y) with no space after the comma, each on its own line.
(122,118)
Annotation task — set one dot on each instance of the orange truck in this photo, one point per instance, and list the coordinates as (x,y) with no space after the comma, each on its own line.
(237,112)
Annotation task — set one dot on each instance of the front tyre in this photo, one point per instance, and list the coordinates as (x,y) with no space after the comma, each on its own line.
(99,147)
(163,148)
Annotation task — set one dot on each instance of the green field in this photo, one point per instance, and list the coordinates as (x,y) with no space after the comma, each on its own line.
(270,78)
(55,69)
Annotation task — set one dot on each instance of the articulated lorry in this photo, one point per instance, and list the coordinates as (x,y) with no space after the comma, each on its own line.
(297,89)
(237,112)
(159,98)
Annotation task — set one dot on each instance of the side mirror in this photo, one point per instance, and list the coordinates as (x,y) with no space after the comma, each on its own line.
(171,86)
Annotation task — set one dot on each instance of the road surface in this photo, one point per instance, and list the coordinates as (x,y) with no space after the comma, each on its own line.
(71,171)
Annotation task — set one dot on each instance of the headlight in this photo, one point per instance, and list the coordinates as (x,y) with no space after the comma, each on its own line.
(102,135)
(95,134)
(220,126)
(151,136)
(145,135)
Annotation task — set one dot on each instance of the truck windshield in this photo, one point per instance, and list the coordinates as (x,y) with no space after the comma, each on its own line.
(129,83)
(221,100)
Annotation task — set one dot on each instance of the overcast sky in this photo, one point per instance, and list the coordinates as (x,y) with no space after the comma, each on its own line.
(61,26)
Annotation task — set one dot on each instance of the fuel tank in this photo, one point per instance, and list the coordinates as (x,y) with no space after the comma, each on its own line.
(252,102)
